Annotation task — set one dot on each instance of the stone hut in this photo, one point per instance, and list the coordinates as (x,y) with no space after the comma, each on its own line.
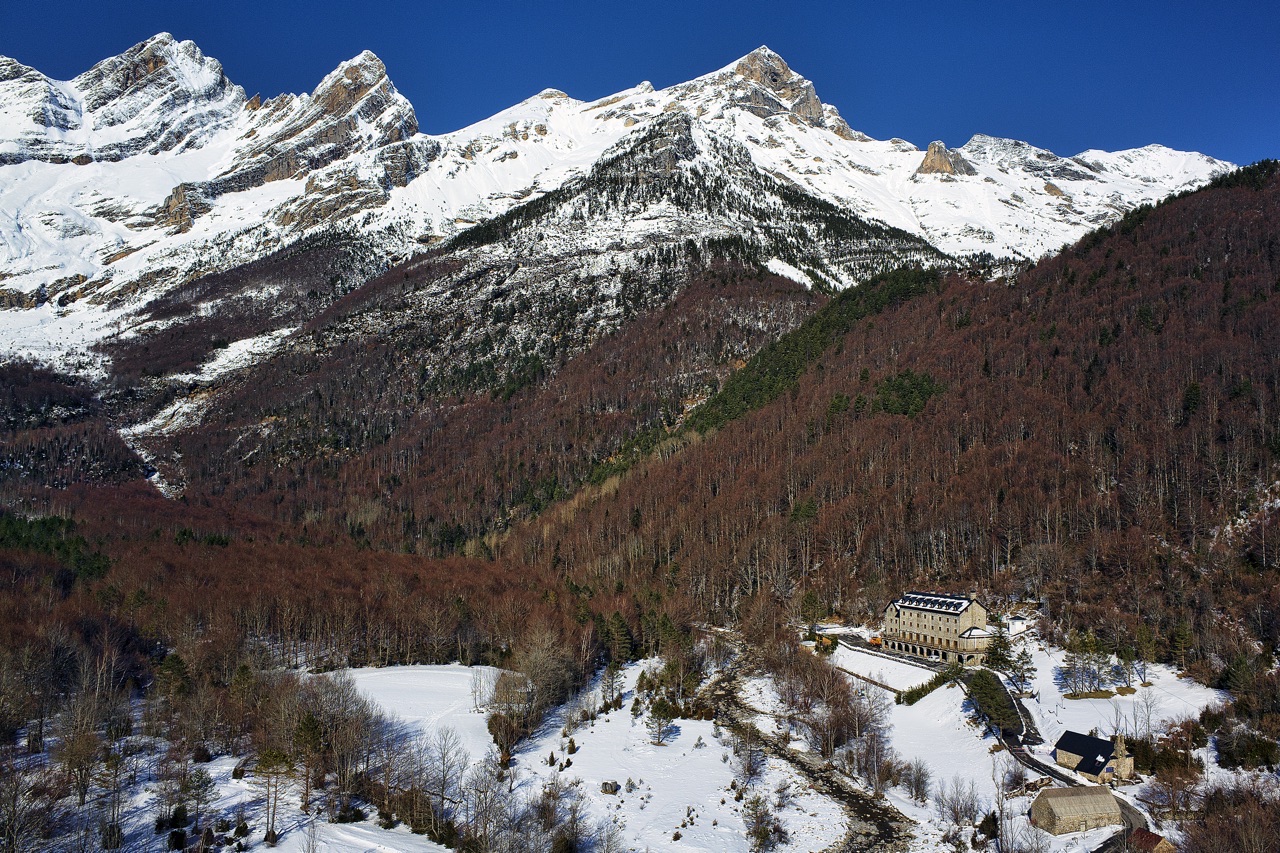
(1062,810)
(1093,758)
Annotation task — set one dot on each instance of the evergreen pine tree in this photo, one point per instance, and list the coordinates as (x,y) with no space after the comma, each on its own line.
(1023,669)
(1000,652)
(1179,642)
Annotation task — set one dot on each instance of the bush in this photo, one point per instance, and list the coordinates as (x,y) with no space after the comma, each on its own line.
(178,839)
(349,814)
(112,836)
(992,702)
(915,694)
(764,830)
(1241,747)
(504,731)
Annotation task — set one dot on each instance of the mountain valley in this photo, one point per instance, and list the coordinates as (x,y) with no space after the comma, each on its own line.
(307,416)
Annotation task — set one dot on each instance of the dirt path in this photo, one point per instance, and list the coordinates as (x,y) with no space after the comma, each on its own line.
(874,824)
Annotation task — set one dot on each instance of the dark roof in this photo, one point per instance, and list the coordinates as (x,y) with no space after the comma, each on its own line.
(1144,839)
(934,602)
(1094,752)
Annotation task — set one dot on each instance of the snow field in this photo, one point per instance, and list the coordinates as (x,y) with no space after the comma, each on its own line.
(1147,709)
(674,784)
(898,674)
(431,697)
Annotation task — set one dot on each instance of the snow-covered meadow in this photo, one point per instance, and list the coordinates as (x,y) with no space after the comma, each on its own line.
(682,795)
(683,787)
(893,672)
(1162,698)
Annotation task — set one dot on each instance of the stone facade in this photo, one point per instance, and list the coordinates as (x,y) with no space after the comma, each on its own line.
(1062,810)
(1093,758)
(951,628)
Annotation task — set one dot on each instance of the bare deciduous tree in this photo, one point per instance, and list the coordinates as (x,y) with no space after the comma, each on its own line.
(958,802)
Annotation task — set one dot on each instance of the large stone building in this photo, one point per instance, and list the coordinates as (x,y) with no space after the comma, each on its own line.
(951,628)
(1093,758)
(1062,810)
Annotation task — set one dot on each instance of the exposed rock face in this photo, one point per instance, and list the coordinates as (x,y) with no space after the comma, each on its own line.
(938,160)
(157,96)
(355,108)
(835,123)
(343,189)
(790,91)
(180,209)
(335,159)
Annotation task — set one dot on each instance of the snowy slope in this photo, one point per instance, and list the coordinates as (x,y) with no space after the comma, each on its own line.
(152,169)
(682,788)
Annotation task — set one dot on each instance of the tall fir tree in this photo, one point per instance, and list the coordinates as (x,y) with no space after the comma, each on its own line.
(1000,652)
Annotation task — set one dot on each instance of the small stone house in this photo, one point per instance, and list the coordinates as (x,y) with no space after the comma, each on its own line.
(1146,841)
(1062,810)
(1093,758)
(951,628)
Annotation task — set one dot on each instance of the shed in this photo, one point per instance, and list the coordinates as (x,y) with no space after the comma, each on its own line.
(1146,841)
(1062,810)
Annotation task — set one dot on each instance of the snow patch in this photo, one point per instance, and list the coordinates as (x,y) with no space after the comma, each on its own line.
(780,267)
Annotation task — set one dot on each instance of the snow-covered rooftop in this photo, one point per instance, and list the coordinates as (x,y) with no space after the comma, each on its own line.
(934,602)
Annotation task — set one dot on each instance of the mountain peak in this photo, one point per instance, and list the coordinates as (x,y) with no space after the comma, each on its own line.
(767,68)
(764,52)
(361,85)
(142,72)
(761,83)
(362,72)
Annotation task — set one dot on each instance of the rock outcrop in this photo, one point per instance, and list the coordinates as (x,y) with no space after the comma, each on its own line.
(785,89)
(939,160)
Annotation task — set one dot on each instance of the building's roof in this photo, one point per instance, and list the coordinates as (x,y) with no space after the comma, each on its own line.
(933,602)
(1094,752)
(1076,802)
(1145,840)
(975,634)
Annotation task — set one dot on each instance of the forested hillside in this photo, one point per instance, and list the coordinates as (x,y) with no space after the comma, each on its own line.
(1099,432)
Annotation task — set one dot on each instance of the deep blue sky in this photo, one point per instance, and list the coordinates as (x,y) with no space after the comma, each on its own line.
(1065,76)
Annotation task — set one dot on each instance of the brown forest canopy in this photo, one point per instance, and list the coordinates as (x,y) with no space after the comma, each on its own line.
(1084,434)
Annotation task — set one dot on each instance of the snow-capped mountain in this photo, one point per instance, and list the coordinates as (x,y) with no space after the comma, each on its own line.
(152,170)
